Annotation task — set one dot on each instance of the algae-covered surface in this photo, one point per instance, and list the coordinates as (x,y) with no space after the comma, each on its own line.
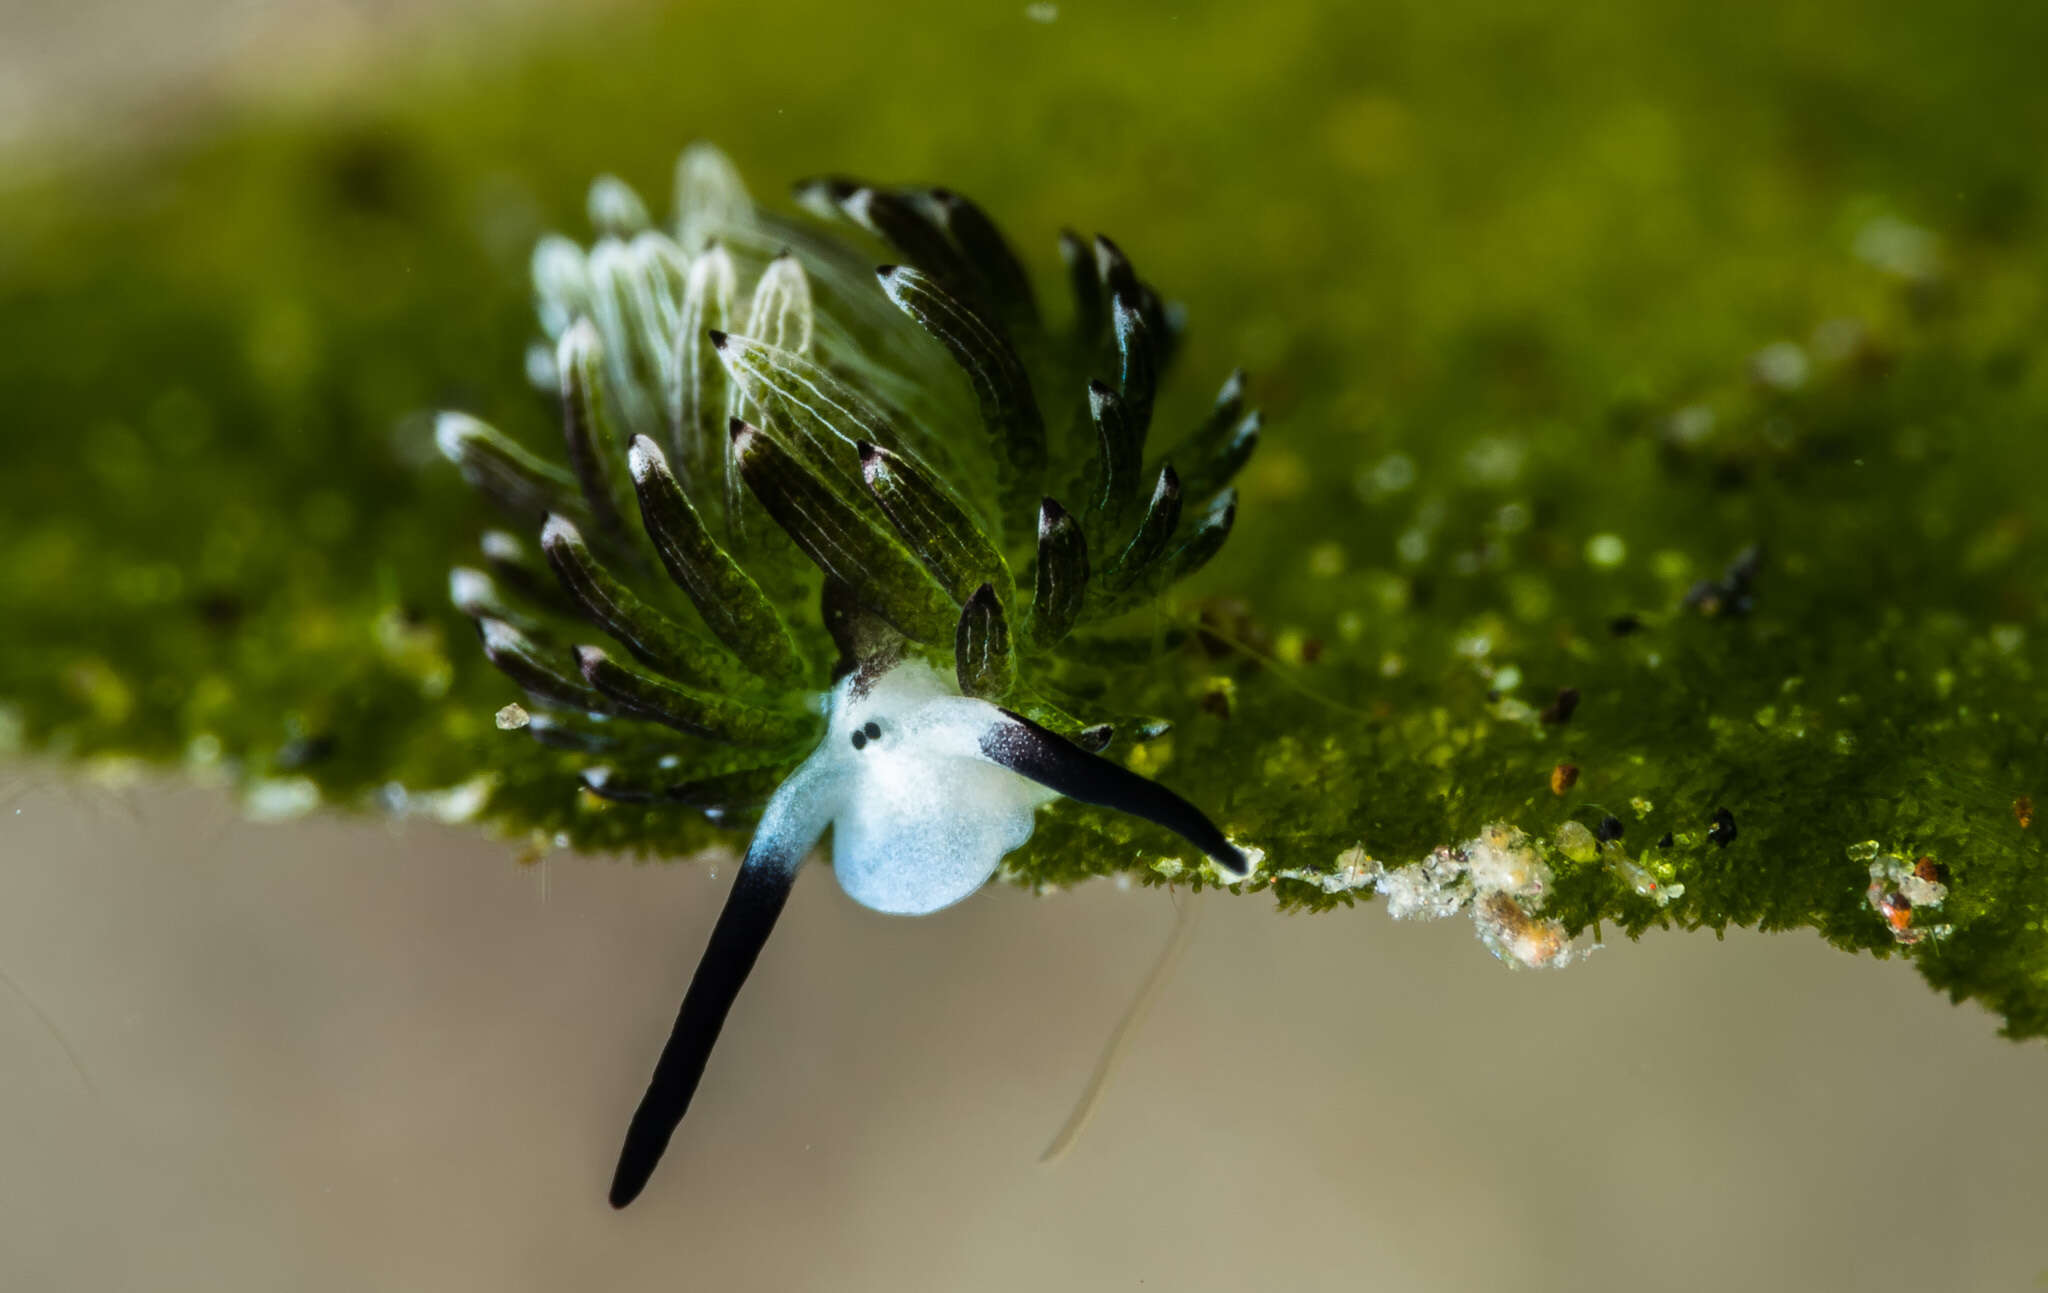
(1647,529)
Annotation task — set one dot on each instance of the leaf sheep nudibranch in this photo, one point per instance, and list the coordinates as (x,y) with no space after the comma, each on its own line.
(803,496)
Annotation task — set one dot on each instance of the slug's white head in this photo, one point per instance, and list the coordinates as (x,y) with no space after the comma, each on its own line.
(920,816)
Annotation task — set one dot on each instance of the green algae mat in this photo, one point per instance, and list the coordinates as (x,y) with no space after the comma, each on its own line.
(1646,529)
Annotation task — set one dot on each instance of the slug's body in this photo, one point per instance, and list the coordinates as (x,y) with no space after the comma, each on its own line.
(825,457)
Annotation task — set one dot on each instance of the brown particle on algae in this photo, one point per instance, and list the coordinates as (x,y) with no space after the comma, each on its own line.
(1898,912)
(2023,811)
(1517,937)
(1561,709)
(1563,777)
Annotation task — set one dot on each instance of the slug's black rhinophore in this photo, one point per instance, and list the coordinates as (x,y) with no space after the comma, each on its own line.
(743,926)
(1056,763)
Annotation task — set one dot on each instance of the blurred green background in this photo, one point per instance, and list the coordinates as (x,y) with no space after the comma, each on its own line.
(1552,316)
(1513,281)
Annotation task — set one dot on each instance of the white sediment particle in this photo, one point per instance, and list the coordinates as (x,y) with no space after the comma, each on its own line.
(1390,475)
(473,592)
(512,718)
(280,799)
(1495,460)
(1782,366)
(1898,247)
(457,803)
(1476,645)
(1510,710)
(1689,426)
(450,805)
(1606,551)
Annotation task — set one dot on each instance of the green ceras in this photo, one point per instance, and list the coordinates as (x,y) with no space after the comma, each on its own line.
(741,368)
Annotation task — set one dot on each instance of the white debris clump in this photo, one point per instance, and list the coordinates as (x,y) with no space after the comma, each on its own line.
(1498,874)
(1430,890)
(1900,890)
(1503,860)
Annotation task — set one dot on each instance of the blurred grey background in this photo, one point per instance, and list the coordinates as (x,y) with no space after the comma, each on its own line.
(351,1055)
(82,76)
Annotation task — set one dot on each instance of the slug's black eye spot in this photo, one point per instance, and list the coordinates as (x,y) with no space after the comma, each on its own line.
(873,730)
(859,739)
